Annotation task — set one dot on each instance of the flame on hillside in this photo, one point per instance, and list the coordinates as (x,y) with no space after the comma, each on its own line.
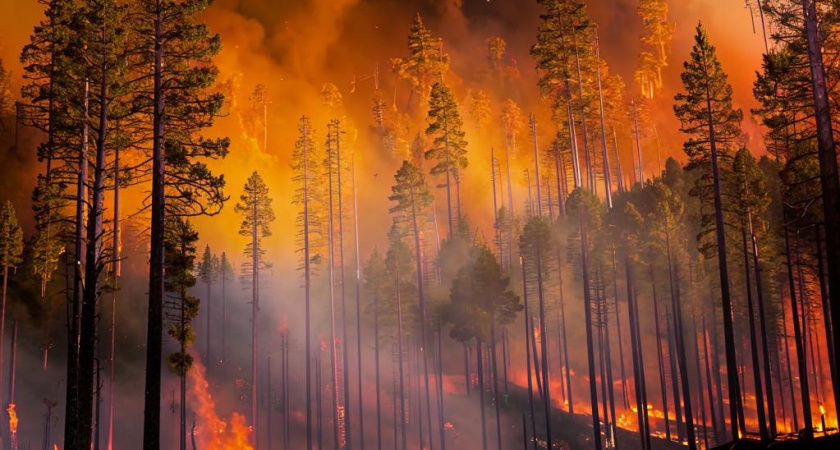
(213,432)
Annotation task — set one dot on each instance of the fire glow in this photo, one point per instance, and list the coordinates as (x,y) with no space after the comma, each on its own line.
(213,432)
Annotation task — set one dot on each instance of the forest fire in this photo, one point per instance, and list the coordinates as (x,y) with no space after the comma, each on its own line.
(212,431)
(362,223)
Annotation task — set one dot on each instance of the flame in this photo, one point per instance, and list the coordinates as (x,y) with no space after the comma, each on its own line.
(13,419)
(213,432)
(822,410)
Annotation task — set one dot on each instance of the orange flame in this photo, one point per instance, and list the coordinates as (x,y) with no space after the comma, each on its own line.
(213,432)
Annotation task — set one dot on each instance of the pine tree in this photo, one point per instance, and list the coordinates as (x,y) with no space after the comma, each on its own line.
(712,125)
(179,107)
(376,285)
(479,109)
(225,276)
(412,197)
(449,148)
(535,246)
(208,271)
(304,166)
(426,63)
(656,39)
(585,209)
(480,300)
(255,208)
(181,308)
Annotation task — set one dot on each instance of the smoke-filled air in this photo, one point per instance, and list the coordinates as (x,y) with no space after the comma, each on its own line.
(419,224)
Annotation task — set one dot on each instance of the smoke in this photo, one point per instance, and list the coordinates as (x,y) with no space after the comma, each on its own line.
(294,48)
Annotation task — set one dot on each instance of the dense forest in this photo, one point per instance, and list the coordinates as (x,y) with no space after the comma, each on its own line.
(358,224)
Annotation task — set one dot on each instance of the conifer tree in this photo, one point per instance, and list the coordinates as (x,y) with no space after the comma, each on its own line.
(449,148)
(426,62)
(585,209)
(480,299)
(656,39)
(225,276)
(712,125)
(412,197)
(255,208)
(304,165)
(208,271)
(175,49)
(181,308)
(376,284)
(479,109)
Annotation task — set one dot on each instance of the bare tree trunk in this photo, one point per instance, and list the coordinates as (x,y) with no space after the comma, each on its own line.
(710,383)
(624,392)
(660,357)
(604,154)
(800,350)
(422,305)
(527,320)
(683,359)
(307,288)
(496,399)
(762,320)
(568,374)
(255,324)
(93,265)
(481,393)
(72,406)
(829,176)
(400,360)
(376,369)
(756,366)
(638,360)
(587,305)
(116,278)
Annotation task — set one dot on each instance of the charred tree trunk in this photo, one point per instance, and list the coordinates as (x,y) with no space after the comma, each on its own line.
(496,399)
(797,336)
(481,394)
(590,345)
(624,391)
(400,362)
(638,360)
(72,438)
(762,320)
(660,357)
(756,367)
(829,177)
(683,360)
(154,344)
(528,333)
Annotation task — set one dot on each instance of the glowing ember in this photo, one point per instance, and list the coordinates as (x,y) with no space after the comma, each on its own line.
(213,432)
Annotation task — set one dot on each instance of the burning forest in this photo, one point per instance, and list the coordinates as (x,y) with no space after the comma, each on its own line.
(473,224)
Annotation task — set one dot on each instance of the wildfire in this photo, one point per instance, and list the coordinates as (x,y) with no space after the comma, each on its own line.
(13,425)
(13,419)
(213,432)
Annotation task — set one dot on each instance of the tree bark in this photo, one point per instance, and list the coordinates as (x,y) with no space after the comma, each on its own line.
(154,344)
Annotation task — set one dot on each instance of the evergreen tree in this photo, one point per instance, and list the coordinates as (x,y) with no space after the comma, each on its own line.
(181,308)
(656,40)
(412,197)
(480,300)
(712,125)
(426,63)
(479,108)
(208,271)
(449,148)
(306,196)
(179,107)
(225,272)
(255,208)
